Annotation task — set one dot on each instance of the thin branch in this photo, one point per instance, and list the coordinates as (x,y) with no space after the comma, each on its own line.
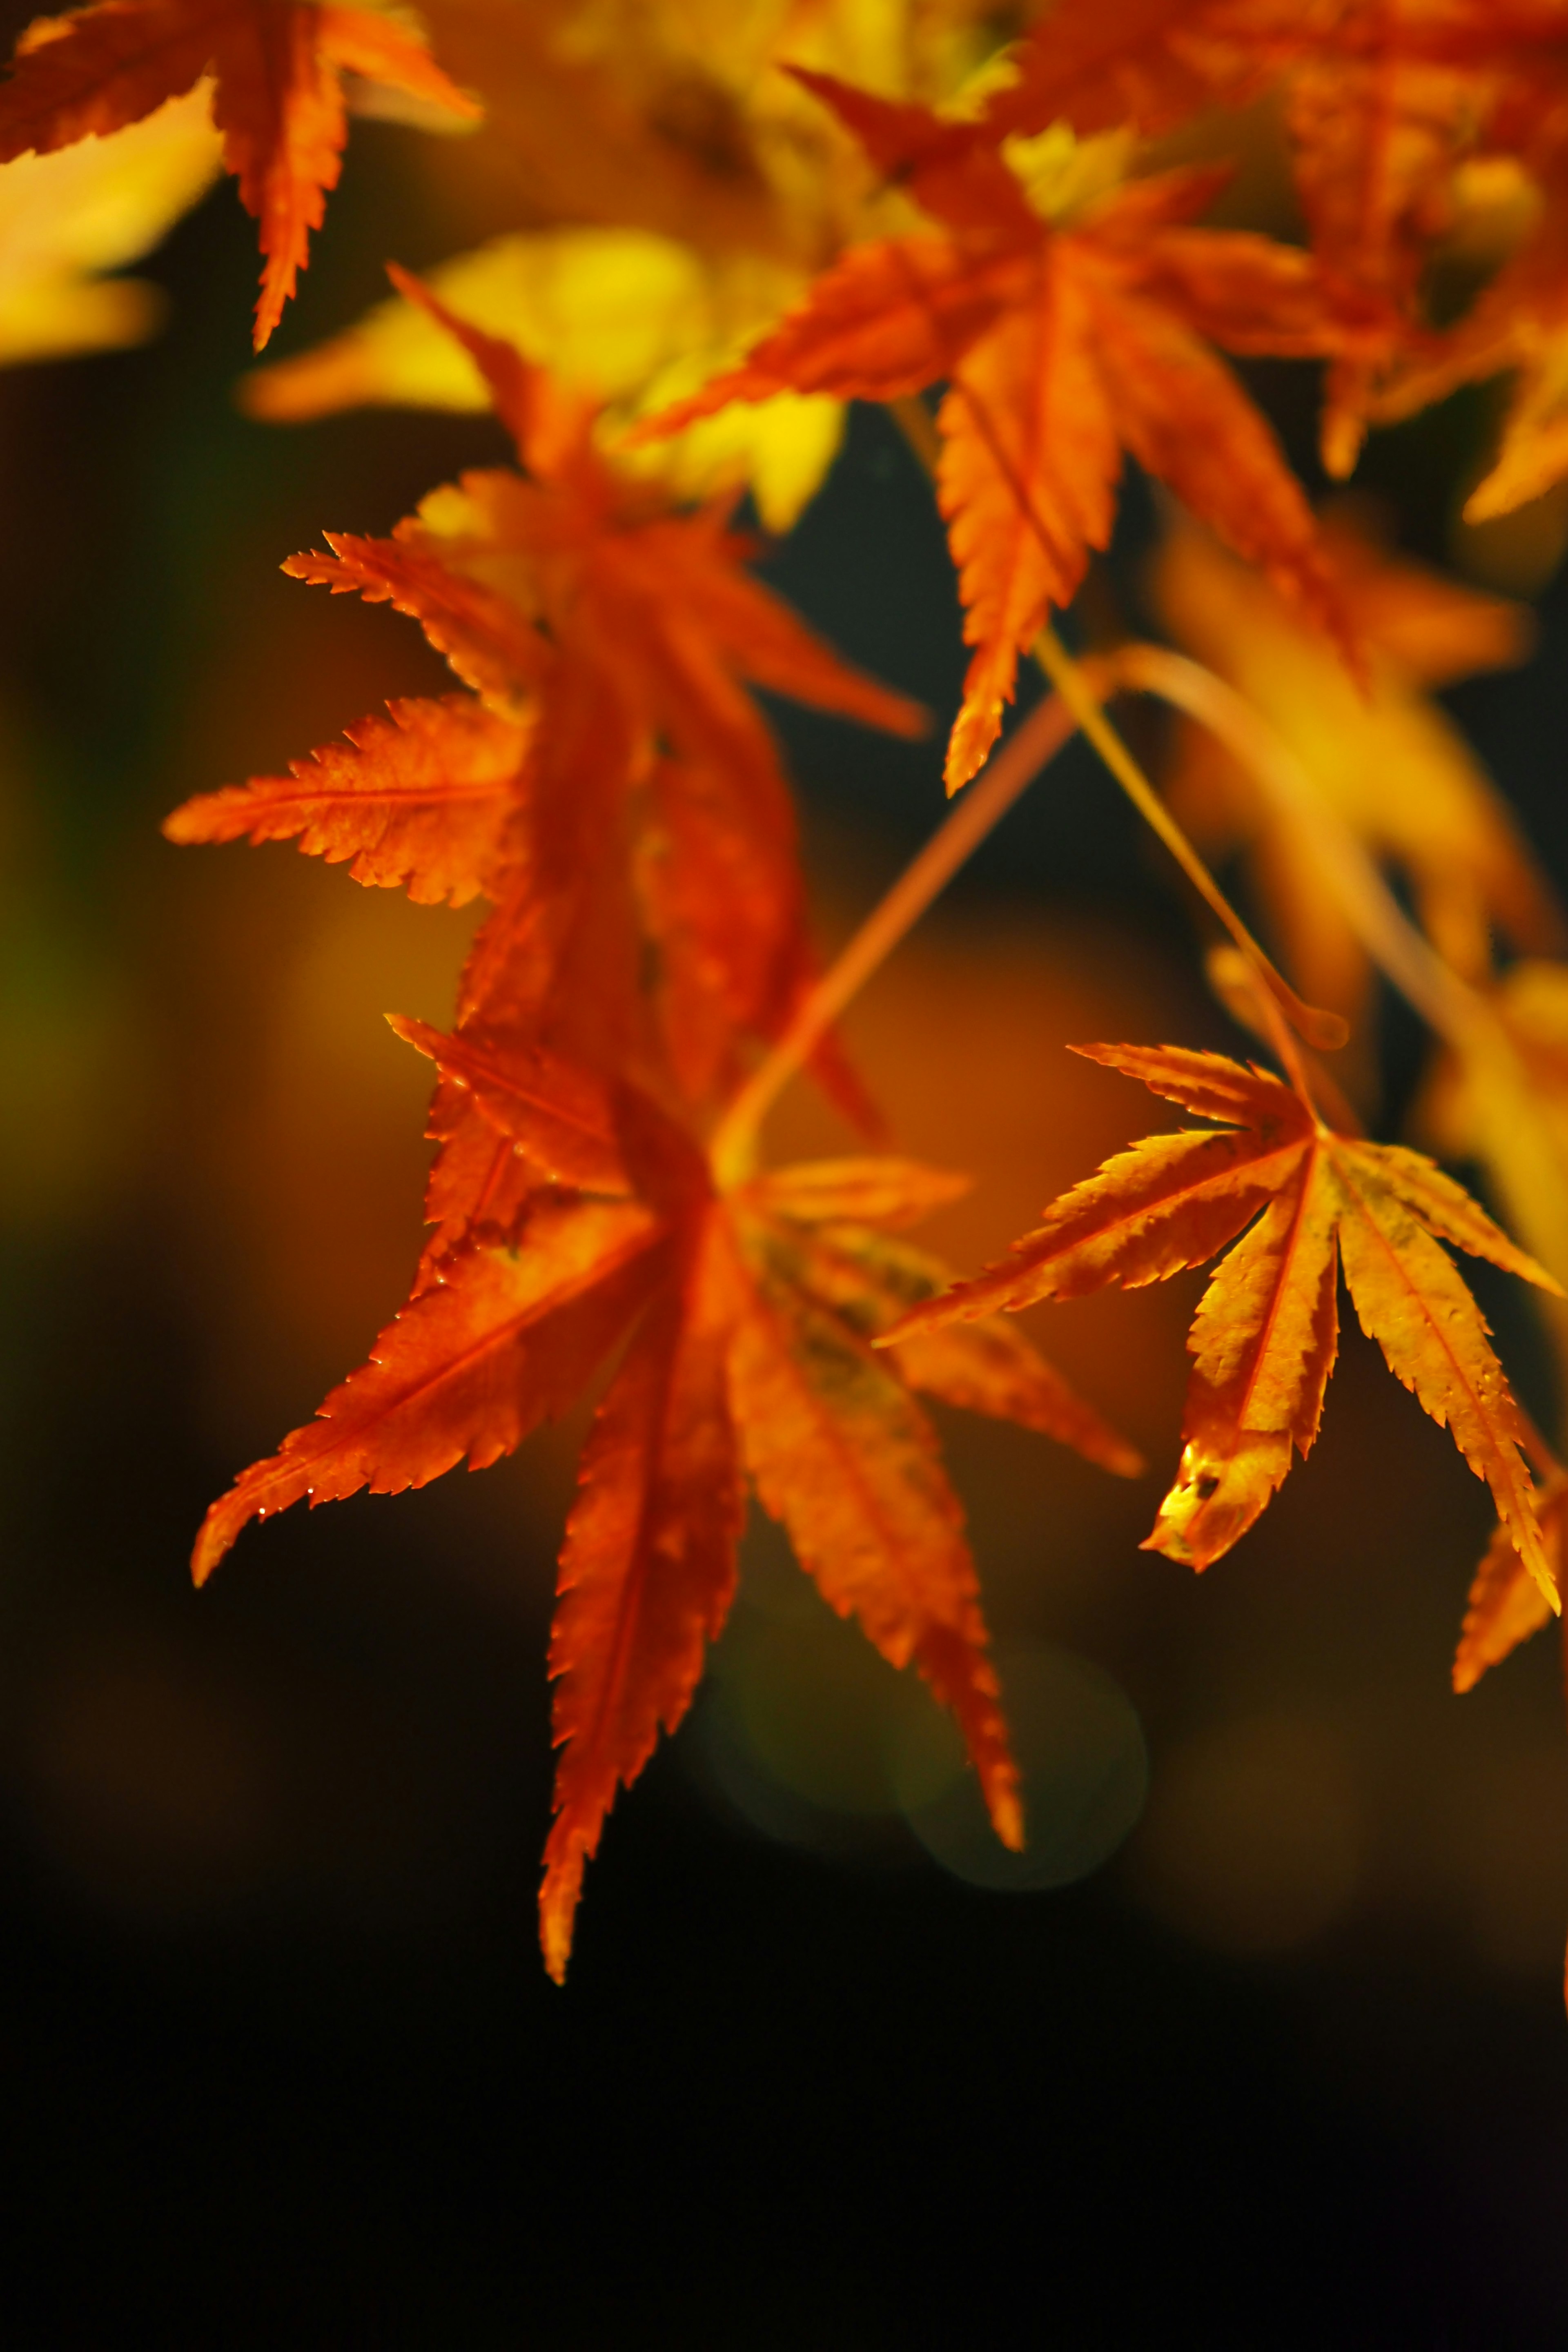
(1279,1000)
(1445,1002)
(1464,1017)
(1325,1030)
(1029,749)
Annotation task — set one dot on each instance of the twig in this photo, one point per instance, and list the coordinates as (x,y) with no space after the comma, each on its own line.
(1027,751)
(1325,1030)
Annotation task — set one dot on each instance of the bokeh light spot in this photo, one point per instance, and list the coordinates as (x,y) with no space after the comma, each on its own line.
(1081,1752)
(1252,1842)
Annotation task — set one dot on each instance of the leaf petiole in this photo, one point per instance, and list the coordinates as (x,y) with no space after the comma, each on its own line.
(1030,748)
(1323,1030)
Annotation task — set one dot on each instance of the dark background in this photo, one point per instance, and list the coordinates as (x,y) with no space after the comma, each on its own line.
(278,2061)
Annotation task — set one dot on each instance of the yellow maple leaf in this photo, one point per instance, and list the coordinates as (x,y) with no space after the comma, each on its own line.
(1519,327)
(1298,1200)
(1504,1100)
(1386,760)
(68,217)
(1506,1605)
(633,318)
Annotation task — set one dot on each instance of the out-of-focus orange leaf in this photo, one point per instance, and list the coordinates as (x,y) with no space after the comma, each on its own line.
(1151,63)
(1519,325)
(68,218)
(1382,104)
(1265,1334)
(278,97)
(1386,756)
(1504,1101)
(1506,1605)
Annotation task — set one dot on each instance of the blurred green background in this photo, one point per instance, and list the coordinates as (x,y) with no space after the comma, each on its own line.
(1265,2046)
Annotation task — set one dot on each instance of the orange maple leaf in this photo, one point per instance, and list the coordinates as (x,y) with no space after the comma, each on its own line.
(652,805)
(1385,758)
(1150,64)
(1062,348)
(749,1322)
(613,791)
(1303,1200)
(1506,1605)
(1383,100)
(278,97)
(427,803)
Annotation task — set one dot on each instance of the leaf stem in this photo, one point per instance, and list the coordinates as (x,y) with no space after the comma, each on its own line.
(1445,1002)
(1276,996)
(1526,1172)
(1325,1030)
(1029,749)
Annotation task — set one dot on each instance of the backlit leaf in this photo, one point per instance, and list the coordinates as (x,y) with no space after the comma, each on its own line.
(1063,349)
(1264,1336)
(424,804)
(277,100)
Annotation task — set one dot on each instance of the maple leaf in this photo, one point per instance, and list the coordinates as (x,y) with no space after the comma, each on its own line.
(1382,103)
(648,804)
(1503,1100)
(748,1325)
(1062,348)
(66,218)
(636,318)
(278,97)
(427,803)
(1385,757)
(674,118)
(1149,63)
(1519,325)
(1302,1199)
(1506,1605)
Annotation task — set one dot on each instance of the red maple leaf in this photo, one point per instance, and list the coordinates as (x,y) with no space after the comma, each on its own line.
(748,1323)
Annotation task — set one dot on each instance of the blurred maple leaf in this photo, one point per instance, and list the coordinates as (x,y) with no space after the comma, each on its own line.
(1266,1332)
(1519,325)
(1384,101)
(277,97)
(1385,757)
(727,184)
(1062,348)
(1506,1605)
(1503,1100)
(750,1320)
(675,118)
(67,218)
(631,318)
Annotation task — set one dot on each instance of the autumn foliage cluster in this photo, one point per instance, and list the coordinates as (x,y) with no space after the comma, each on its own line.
(737,220)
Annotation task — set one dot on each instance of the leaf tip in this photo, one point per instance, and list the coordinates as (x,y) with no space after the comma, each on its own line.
(557,1914)
(214,1540)
(417,1033)
(1006,1810)
(1172,1545)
